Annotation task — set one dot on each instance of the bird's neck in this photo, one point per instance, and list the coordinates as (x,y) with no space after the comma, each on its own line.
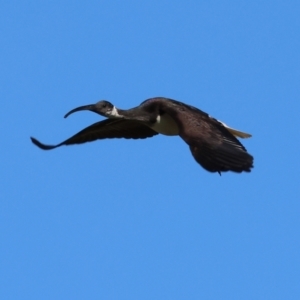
(115,113)
(129,114)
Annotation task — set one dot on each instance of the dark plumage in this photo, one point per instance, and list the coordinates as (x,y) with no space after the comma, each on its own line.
(212,143)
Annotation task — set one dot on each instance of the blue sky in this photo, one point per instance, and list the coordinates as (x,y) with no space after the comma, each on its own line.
(121,219)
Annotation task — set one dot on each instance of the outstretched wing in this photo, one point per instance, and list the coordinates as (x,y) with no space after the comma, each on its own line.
(106,129)
(217,150)
(211,142)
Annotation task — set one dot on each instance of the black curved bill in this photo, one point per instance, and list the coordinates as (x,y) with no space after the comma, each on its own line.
(84,107)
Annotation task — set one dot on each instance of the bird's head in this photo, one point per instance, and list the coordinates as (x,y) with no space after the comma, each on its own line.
(103,108)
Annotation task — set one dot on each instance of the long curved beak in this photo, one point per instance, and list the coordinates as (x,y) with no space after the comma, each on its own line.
(90,107)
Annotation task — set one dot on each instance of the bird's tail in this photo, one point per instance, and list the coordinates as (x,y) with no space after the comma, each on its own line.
(236,132)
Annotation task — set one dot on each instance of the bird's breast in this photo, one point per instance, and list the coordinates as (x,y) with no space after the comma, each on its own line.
(166,125)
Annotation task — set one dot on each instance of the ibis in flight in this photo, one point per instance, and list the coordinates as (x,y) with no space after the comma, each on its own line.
(213,144)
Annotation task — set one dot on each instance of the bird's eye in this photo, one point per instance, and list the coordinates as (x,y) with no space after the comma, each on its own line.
(104,105)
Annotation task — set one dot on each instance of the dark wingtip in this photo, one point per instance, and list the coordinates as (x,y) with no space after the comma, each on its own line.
(40,145)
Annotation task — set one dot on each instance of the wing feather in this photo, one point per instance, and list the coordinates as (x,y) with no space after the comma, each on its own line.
(217,150)
(213,144)
(109,128)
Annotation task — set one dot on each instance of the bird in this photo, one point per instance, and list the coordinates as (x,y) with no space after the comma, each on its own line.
(213,144)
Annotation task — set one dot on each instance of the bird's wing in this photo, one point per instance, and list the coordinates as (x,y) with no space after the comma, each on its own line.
(109,128)
(217,150)
(211,142)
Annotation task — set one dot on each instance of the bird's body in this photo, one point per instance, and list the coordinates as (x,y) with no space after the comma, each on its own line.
(212,143)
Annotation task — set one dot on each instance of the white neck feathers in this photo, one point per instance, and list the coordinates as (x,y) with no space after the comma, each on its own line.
(114,112)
